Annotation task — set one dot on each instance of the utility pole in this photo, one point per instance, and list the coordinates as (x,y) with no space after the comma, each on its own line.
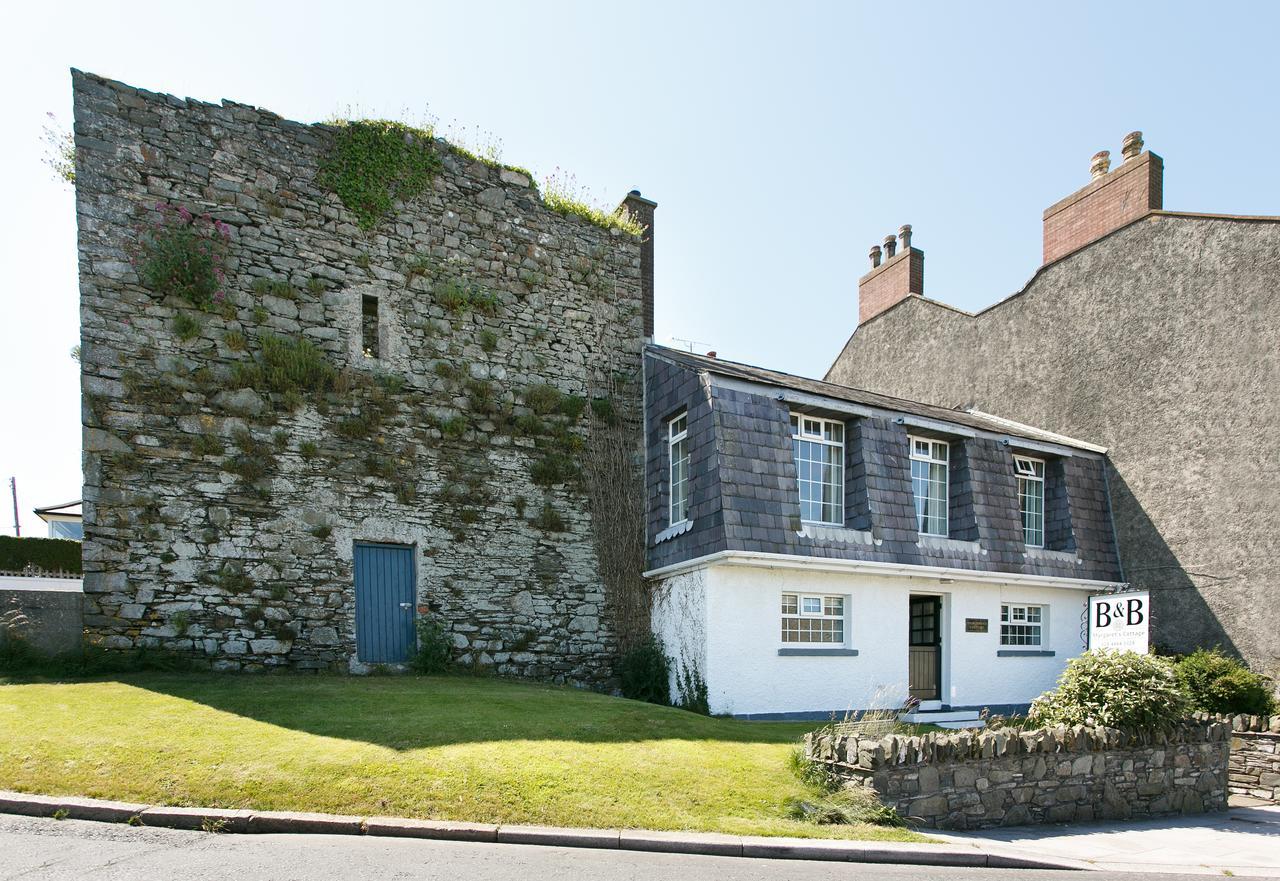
(13,488)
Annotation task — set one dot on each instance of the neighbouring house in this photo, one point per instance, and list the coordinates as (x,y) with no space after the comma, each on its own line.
(816,548)
(65,520)
(1153,333)
(409,388)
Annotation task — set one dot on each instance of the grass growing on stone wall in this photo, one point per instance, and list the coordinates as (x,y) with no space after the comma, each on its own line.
(561,193)
(454,748)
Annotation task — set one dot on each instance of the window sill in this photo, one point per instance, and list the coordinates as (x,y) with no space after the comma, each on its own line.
(942,543)
(1055,556)
(1027,653)
(816,652)
(832,532)
(672,531)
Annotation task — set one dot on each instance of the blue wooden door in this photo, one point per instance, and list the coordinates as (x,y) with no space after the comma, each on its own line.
(385,598)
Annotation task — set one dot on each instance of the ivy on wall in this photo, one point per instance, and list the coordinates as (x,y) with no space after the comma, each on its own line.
(375,162)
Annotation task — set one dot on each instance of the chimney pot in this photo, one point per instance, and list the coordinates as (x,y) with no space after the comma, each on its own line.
(1101,163)
(1132,146)
(875,256)
(890,246)
(904,236)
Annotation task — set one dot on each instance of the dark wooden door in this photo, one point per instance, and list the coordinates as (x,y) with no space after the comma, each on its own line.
(925,660)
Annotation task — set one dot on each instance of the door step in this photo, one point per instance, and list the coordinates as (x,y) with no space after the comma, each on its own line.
(944,718)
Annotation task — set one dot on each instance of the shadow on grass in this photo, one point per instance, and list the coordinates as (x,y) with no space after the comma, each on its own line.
(412,712)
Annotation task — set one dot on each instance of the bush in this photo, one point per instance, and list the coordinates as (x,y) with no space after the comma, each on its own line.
(435,649)
(645,672)
(1115,689)
(49,554)
(1217,683)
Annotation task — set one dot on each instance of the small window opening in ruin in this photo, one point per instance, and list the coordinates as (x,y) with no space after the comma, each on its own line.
(369,326)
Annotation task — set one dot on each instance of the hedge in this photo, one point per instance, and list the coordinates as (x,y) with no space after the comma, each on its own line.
(49,554)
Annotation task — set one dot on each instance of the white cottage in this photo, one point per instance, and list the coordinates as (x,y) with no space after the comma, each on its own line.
(817,549)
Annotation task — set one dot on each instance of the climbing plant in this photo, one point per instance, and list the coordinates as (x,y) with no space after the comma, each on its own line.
(374,162)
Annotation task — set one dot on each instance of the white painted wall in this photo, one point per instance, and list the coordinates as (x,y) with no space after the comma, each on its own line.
(739,614)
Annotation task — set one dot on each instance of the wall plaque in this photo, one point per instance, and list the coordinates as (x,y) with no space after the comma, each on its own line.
(975,625)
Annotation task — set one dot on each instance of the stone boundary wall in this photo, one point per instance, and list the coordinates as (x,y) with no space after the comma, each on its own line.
(1255,756)
(52,611)
(1008,777)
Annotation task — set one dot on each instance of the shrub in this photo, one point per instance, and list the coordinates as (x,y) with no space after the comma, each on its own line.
(295,365)
(1218,683)
(49,554)
(549,519)
(186,327)
(1116,689)
(207,445)
(184,255)
(645,673)
(552,469)
(543,399)
(435,649)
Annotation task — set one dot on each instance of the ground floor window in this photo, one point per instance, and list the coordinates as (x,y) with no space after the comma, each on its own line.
(812,618)
(1021,625)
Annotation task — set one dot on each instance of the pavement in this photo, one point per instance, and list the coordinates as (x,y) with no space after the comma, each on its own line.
(44,849)
(1244,841)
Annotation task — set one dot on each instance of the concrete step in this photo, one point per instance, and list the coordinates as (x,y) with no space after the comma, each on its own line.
(944,719)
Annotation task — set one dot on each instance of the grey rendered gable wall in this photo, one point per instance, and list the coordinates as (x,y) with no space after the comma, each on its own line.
(669,389)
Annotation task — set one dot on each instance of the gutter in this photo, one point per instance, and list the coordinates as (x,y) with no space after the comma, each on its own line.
(792,562)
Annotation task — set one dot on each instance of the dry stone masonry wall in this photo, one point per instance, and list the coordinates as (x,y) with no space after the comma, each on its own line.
(1007,777)
(1255,756)
(459,343)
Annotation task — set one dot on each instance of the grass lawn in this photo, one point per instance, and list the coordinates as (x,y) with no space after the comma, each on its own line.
(439,747)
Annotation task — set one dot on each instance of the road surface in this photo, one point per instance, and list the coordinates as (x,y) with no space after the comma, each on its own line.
(36,849)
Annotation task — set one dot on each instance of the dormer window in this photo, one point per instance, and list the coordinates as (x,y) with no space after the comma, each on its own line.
(1031,498)
(819,451)
(678,450)
(930,460)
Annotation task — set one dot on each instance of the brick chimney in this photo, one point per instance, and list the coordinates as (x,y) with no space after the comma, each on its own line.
(1108,202)
(900,275)
(642,210)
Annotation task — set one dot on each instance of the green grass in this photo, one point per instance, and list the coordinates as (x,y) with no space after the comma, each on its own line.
(441,747)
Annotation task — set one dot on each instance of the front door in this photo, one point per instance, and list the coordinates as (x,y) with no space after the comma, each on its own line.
(925,663)
(384,603)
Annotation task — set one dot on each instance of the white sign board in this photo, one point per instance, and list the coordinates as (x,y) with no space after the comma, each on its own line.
(1120,622)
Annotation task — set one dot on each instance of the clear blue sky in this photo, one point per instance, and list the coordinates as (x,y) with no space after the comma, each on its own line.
(780,140)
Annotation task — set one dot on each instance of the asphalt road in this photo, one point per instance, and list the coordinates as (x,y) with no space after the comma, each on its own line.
(72,849)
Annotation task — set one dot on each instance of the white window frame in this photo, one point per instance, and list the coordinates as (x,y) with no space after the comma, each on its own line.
(929,458)
(678,477)
(1033,633)
(814,430)
(830,623)
(1030,471)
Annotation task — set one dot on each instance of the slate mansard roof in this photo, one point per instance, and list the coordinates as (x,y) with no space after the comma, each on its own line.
(743,480)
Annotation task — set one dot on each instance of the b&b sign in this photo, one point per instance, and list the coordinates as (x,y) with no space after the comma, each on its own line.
(1120,622)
